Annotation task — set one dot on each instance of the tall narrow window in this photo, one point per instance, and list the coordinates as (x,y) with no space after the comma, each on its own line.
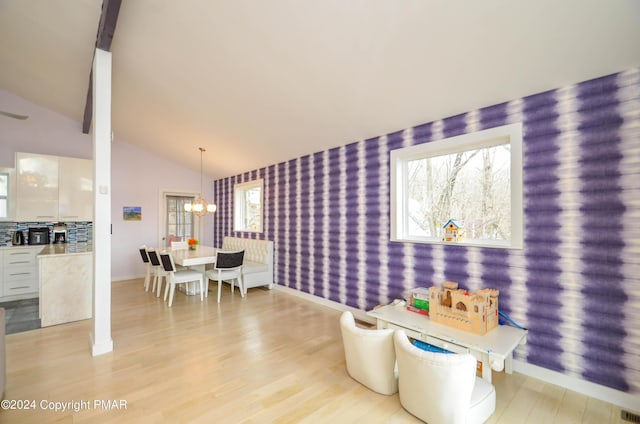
(179,222)
(4,195)
(248,206)
(465,189)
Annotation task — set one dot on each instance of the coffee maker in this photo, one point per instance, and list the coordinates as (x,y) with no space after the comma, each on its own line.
(60,233)
(38,235)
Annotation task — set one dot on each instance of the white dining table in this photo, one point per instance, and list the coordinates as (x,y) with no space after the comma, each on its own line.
(197,260)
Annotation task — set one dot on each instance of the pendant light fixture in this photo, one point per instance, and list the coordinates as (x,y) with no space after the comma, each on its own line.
(200,206)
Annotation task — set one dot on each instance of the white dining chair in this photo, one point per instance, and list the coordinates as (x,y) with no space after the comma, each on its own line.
(179,245)
(228,267)
(175,277)
(158,271)
(148,269)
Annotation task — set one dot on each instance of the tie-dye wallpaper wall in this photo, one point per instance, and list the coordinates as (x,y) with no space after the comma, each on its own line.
(576,283)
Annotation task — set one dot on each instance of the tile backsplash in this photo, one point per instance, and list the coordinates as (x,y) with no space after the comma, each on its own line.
(77,232)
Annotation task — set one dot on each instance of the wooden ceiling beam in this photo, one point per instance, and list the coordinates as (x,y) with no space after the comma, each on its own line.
(106,30)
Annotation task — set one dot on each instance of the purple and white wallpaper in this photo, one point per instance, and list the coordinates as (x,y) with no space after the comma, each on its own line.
(576,283)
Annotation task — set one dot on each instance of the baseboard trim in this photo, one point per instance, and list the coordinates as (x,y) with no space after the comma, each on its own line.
(97,349)
(615,397)
(357,313)
(607,394)
(134,277)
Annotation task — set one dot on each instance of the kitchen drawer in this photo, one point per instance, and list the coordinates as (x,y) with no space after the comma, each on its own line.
(19,287)
(19,273)
(20,257)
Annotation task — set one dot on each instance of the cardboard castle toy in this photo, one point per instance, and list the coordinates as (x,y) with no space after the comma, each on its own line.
(474,312)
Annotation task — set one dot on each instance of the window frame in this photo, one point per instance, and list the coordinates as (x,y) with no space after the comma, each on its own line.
(181,223)
(472,141)
(10,197)
(240,207)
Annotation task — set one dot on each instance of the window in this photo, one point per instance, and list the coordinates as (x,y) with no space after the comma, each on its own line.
(179,222)
(4,195)
(248,206)
(470,184)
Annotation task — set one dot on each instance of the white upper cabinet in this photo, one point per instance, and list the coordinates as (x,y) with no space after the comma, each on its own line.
(37,187)
(75,195)
(53,188)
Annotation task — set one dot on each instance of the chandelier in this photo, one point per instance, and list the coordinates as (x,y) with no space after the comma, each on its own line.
(200,206)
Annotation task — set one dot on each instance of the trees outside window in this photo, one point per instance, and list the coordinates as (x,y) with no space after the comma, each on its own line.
(248,206)
(475,179)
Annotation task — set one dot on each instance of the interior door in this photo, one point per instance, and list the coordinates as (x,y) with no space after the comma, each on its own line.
(179,224)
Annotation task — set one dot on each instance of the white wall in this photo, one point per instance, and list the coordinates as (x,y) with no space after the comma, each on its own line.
(138,176)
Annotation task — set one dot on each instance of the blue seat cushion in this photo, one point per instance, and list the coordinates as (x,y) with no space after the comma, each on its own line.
(429,347)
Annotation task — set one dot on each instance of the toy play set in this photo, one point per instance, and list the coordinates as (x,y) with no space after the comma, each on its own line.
(474,312)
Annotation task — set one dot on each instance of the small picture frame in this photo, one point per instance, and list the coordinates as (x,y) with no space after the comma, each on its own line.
(132,213)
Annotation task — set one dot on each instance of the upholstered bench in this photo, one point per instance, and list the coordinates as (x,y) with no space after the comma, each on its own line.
(257,269)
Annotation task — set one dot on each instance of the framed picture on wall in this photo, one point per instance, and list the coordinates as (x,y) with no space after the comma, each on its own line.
(132,213)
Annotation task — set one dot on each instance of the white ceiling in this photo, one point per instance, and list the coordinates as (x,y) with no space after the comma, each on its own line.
(260,82)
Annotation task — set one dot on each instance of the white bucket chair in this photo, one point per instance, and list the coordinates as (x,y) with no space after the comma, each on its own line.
(441,388)
(370,356)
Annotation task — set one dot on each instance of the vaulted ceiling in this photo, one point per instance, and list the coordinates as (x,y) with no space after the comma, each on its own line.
(260,82)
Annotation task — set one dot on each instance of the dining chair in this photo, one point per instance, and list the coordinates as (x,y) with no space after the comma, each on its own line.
(179,245)
(147,266)
(228,267)
(158,271)
(370,355)
(441,387)
(175,277)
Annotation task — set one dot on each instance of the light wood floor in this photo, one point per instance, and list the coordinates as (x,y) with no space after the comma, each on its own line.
(268,358)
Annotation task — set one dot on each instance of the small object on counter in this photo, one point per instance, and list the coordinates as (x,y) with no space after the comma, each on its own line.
(18,238)
(419,298)
(60,233)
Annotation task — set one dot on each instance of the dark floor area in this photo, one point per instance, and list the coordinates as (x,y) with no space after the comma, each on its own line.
(21,315)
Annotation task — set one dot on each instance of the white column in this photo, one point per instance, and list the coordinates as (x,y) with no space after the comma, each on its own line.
(101,341)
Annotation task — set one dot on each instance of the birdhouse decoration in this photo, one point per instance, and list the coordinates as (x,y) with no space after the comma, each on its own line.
(453,230)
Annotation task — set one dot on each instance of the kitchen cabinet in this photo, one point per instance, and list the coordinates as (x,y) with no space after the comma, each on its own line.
(66,285)
(53,188)
(75,192)
(19,273)
(37,187)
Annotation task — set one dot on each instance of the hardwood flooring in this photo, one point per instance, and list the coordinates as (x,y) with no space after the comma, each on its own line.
(268,358)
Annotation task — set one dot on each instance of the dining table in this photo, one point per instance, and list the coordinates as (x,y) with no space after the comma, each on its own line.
(196,259)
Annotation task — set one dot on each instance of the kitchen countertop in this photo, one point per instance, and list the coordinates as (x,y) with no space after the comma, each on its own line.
(65,249)
(56,249)
(23,246)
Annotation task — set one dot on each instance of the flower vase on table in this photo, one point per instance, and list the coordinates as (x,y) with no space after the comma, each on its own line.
(192,243)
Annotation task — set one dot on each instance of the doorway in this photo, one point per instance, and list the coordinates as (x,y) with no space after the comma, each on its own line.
(179,225)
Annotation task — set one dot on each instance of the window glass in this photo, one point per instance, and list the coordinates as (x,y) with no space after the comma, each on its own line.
(465,189)
(179,222)
(248,206)
(4,193)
